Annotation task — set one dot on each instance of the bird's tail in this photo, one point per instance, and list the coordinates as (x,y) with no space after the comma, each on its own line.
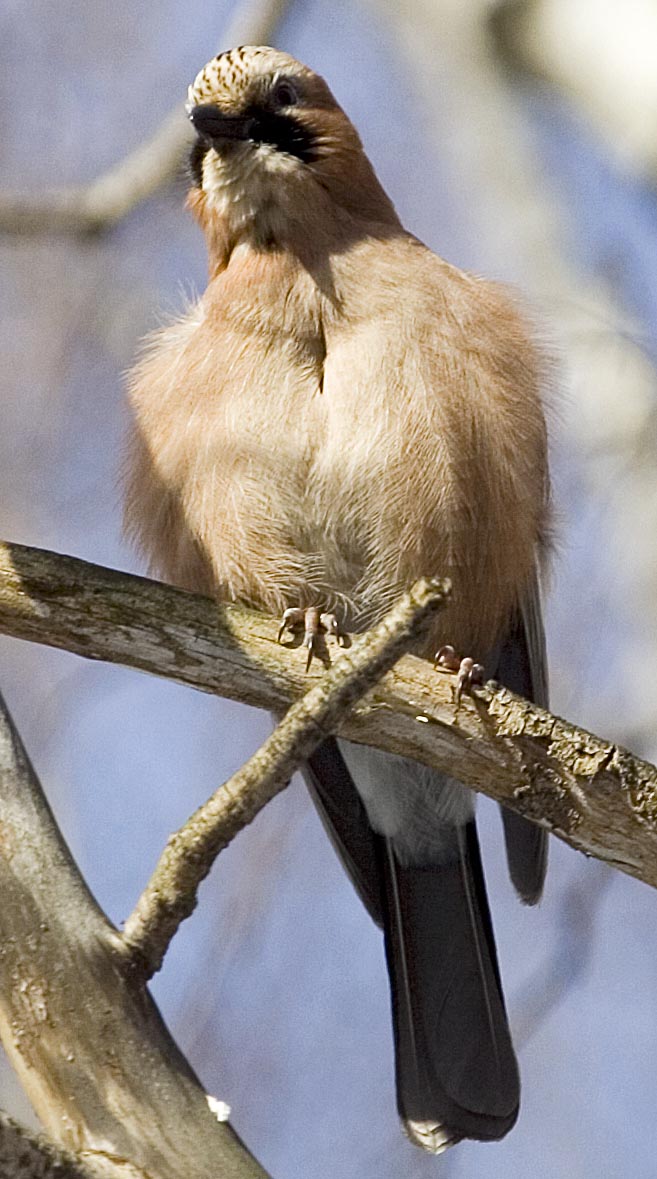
(457,1075)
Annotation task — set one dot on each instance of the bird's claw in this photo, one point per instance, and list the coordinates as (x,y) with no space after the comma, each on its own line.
(291,620)
(314,624)
(469,674)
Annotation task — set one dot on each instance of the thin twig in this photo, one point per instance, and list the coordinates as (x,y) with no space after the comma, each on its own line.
(98,206)
(170,895)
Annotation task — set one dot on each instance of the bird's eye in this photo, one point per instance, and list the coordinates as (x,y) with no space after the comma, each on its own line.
(285,94)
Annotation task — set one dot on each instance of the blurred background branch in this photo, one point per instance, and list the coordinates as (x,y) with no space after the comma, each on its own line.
(599,56)
(96,207)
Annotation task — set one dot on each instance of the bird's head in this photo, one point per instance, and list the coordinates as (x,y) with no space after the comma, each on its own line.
(272,146)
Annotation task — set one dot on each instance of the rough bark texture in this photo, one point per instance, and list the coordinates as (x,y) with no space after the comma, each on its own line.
(31,1156)
(85,1038)
(594,795)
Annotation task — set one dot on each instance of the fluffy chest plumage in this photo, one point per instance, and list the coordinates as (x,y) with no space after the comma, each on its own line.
(315,433)
(314,445)
(276,445)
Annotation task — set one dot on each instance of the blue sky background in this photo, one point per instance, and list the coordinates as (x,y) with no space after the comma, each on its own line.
(276,987)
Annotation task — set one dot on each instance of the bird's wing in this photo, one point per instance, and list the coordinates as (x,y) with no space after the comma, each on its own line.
(345,822)
(522,667)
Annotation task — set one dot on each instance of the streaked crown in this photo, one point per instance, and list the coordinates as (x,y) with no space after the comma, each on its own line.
(238,73)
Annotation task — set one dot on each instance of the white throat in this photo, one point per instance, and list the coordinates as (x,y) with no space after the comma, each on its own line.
(248,186)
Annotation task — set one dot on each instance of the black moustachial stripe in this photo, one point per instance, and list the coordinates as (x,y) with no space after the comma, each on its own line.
(284,132)
(195,162)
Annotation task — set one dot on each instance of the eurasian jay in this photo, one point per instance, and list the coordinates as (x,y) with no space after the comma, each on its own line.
(341,413)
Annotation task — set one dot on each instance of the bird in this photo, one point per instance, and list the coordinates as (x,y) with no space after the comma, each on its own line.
(339,413)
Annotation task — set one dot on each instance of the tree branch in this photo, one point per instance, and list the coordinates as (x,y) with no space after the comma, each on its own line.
(190,853)
(83,1034)
(24,1155)
(600,56)
(100,205)
(594,795)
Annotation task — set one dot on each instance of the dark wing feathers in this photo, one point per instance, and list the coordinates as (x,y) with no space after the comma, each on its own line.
(522,667)
(456,1070)
(345,822)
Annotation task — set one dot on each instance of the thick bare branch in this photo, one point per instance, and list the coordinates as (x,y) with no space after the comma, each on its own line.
(190,853)
(592,794)
(99,205)
(85,1038)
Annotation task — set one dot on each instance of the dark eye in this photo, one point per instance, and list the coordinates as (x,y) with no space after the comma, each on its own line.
(285,94)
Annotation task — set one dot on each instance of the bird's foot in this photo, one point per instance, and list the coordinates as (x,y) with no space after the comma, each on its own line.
(469,672)
(314,624)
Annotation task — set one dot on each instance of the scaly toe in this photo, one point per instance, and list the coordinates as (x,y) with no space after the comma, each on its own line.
(469,674)
(291,620)
(314,624)
(446,657)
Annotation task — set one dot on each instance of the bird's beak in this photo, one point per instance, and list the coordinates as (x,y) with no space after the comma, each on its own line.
(215,126)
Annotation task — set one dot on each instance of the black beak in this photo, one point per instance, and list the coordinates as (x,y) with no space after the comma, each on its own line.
(214,126)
